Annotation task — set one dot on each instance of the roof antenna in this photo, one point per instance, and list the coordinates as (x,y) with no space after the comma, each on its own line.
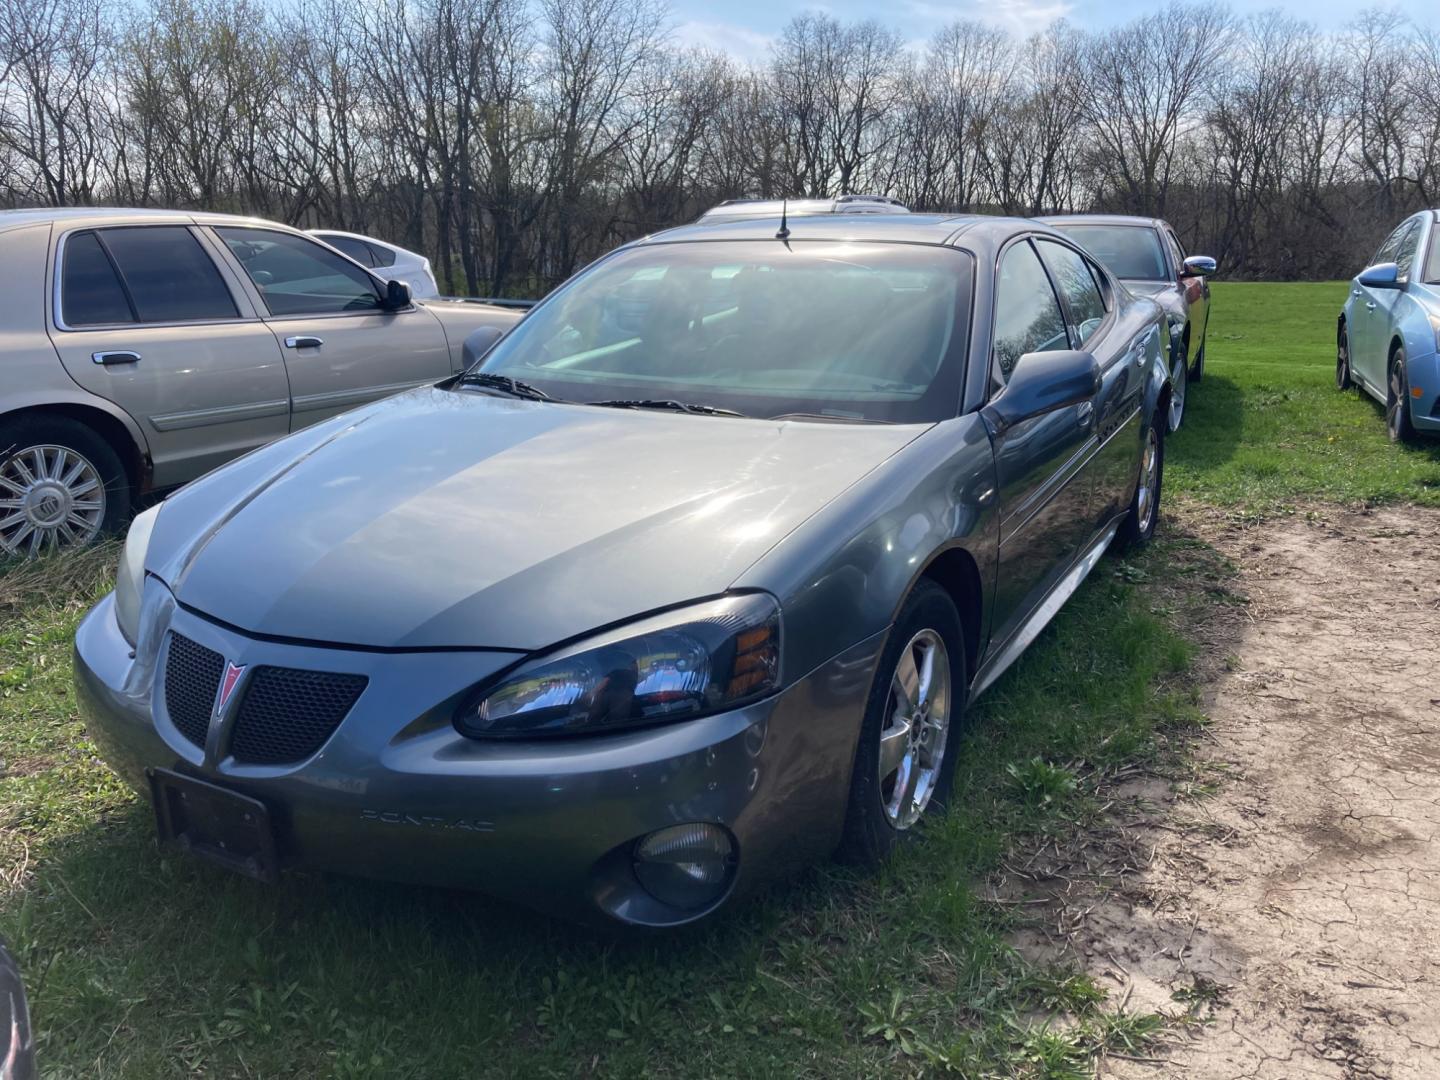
(784,233)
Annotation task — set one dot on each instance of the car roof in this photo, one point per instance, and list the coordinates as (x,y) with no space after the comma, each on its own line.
(1103,219)
(121,215)
(898,228)
(841,204)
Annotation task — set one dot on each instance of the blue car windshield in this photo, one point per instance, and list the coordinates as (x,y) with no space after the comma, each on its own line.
(1131,252)
(863,331)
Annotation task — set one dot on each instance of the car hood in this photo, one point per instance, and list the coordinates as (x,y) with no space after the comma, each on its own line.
(1162,291)
(459,519)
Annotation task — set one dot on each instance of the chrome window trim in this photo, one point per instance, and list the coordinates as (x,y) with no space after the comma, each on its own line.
(56,302)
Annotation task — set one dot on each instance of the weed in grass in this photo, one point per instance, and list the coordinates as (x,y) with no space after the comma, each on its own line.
(1040,784)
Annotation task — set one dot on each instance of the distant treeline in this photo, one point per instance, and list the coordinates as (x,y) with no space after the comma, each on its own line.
(514,140)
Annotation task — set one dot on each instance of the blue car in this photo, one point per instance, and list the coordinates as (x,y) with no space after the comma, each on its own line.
(1389,330)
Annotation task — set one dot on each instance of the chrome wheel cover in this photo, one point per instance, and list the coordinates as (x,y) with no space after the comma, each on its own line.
(1149,481)
(917,726)
(50,497)
(1179,378)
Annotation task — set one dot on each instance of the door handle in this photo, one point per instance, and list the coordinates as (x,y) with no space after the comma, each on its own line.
(1354,292)
(1369,305)
(118,356)
(303,341)
(1084,413)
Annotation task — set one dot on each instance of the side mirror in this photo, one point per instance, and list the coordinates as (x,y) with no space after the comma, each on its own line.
(1043,382)
(1198,266)
(478,343)
(397,296)
(1384,275)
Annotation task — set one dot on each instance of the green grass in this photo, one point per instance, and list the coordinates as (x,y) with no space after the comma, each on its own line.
(146,964)
(1266,428)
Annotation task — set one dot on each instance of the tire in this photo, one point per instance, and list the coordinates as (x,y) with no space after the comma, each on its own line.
(1397,401)
(879,815)
(1343,381)
(1179,386)
(61,485)
(1138,528)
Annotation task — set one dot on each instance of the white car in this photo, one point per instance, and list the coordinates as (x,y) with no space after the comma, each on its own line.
(392,263)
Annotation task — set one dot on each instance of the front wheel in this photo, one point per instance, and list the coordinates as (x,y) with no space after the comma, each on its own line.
(1343,381)
(1397,401)
(1139,525)
(904,762)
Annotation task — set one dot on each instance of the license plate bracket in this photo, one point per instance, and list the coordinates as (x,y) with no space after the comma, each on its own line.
(214,823)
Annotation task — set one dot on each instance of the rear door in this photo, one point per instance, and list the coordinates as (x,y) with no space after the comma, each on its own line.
(1090,300)
(1040,462)
(342,349)
(143,315)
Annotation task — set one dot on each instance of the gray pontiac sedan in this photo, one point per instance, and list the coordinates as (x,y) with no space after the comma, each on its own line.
(688,581)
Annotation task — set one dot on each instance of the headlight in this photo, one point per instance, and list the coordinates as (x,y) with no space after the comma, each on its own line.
(676,666)
(130,581)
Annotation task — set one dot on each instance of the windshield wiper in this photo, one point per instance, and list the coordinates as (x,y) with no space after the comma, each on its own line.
(667,403)
(505,384)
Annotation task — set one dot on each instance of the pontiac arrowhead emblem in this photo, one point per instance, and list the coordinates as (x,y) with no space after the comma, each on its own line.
(227,686)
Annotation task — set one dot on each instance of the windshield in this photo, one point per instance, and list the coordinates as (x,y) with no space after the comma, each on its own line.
(847,330)
(1131,252)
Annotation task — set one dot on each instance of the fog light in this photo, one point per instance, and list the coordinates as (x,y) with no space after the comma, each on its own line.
(686,866)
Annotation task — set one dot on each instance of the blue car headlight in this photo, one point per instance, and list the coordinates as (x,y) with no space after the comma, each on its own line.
(676,666)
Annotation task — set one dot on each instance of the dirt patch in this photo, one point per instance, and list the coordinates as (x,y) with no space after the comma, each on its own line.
(1291,915)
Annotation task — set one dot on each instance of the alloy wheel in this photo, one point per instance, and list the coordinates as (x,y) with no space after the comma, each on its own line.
(1149,481)
(917,727)
(1395,401)
(50,497)
(1179,377)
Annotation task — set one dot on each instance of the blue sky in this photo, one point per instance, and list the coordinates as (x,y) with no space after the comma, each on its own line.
(744,28)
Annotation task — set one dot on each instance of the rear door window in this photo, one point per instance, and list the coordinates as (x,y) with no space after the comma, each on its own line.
(90,289)
(384,256)
(1077,285)
(144,273)
(168,274)
(297,276)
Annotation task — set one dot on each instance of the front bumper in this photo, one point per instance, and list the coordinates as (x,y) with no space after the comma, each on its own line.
(1424,375)
(397,793)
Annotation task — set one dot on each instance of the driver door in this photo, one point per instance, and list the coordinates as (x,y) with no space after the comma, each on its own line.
(342,348)
(1369,333)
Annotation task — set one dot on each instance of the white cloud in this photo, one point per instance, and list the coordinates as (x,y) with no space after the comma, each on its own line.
(1020,17)
(741,42)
